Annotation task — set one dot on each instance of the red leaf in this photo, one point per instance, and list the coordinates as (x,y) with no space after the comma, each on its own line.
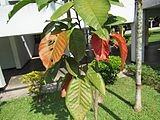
(100,48)
(52,47)
(65,85)
(123,47)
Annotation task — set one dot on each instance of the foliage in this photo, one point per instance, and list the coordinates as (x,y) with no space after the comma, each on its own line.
(117,105)
(108,70)
(79,98)
(123,48)
(150,76)
(52,47)
(66,34)
(35,81)
(100,48)
(115,62)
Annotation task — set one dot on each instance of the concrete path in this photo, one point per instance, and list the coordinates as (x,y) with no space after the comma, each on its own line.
(14,89)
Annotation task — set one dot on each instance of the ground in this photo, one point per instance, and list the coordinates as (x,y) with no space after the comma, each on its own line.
(153,37)
(118,104)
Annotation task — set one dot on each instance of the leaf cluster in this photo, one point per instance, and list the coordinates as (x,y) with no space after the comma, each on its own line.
(108,70)
(35,81)
(66,34)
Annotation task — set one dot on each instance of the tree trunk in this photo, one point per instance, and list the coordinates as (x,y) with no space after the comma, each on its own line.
(138,104)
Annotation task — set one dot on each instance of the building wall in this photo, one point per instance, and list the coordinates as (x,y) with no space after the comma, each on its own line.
(6,56)
(150,3)
(13,52)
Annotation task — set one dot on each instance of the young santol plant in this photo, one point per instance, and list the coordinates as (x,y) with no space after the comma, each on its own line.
(64,34)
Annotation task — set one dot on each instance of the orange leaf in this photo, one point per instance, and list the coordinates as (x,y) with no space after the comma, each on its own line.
(52,47)
(100,48)
(123,47)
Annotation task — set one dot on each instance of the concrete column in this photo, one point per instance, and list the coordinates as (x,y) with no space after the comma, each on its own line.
(134,37)
(2,80)
(15,52)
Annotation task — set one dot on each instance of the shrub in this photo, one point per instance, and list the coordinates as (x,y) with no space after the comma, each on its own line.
(115,62)
(127,37)
(150,76)
(35,81)
(108,70)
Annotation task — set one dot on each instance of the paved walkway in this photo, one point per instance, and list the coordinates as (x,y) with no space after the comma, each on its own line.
(14,89)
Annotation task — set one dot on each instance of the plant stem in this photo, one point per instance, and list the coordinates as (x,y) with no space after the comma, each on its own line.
(79,22)
(68,13)
(95,104)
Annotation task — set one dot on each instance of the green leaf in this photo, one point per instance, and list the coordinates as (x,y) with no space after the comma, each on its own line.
(115,20)
(41,4)
(18,6)
(97,80)
(72,66)
(102,33)
(69,20)
(93,12)
(77,44)
(51,73)
(79,98)
(54,26)
(61,10)
(116,2)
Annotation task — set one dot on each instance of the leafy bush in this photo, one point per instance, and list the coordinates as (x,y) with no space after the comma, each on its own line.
(108,70)
(35,81)
(150,76)
(115,62)
(127,37)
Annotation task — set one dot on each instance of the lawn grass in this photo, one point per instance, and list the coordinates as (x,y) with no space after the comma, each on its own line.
(154,37)
(117,105)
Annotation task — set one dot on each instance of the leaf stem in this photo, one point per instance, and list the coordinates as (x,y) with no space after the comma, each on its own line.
(95,104)
(79,22)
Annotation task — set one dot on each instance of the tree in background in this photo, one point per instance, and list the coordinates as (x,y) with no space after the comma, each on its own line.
(138,104)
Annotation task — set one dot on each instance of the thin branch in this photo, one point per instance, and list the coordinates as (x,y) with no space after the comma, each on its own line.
(79,21)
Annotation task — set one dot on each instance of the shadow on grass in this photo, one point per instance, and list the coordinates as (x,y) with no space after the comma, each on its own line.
(121,98)
(51,105)
(110,112)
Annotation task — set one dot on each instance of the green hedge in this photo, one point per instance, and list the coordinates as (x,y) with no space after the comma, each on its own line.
(150,75)
(108,70)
